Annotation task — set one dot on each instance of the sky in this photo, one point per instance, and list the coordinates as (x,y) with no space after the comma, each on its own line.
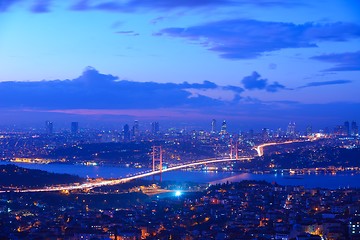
(253,63)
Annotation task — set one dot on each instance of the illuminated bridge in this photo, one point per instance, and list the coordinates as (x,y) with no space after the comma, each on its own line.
(157,157)
(148,173)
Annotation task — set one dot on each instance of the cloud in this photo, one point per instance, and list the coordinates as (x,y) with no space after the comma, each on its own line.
(319,84)
(128,33)
(234,88)
(205,85)
(134,5)
(94,90)
(166,5)
(254,81)
(41,6)
(349,61)
(245,38)
(274,87)
(104,97)
(81,5)
(6,4)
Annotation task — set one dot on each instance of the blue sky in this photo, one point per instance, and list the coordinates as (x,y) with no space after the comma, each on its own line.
(253,62)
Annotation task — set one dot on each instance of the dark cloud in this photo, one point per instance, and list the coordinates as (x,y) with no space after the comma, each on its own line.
(274,87)
(254,81)
(205,85)
(81,5)
(166,5)
(234,88)
(104,97)
(134,5)
(319,84)
(41,6)
(128,33)
(93,90)
(6,4)
(243,38)
(343,61)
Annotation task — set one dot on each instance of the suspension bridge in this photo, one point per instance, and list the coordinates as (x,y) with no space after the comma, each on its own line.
(157,169)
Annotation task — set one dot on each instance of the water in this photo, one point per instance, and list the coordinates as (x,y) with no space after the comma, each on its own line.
(81,170)
(323,180)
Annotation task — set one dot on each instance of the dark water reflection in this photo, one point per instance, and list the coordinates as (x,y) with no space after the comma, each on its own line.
(323,180)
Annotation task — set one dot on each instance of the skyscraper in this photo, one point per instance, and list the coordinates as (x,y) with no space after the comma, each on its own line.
(265,133)
(49,127)
(74,127)
(213,126)
(354,129)
(308,130)
(136,128)
(223,127)
(126,132)
(291,129)
(346,128)
(155,128)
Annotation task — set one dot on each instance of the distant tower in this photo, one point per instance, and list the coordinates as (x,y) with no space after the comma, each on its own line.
(347,128)
(155,128)
(74,127)
(213,126)
(126,133)
(251,133)
(354,129)
(265,133)
(157,156)
(223,127)
(291,129)
(308,130)
(136,128)
(49,126)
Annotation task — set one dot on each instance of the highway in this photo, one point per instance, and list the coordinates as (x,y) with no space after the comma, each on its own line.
(260,148)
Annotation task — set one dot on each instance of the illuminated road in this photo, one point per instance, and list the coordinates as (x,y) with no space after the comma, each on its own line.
(102,183)
(260,148)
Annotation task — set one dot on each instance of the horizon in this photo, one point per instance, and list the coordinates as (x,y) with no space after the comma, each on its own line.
(232,127)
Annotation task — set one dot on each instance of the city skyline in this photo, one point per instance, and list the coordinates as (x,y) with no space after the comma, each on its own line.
(247,62)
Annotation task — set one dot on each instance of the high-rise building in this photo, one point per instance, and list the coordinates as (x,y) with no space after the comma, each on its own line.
(354,228)
(49,126)
(155,128)
(339,130)
(126,132)
(308,130)
(213,126)
(346,128)
(291,129)
(223,127)
(265,133)
(354,129)
(136,128)
(74,127)
(251,133)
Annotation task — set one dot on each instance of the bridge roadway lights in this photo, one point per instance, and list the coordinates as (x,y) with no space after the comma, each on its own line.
(146,174)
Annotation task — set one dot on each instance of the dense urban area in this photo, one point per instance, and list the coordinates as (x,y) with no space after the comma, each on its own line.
(155,209)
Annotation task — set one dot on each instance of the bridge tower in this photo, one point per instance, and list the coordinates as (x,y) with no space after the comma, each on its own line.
(157,156)
(234,148)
